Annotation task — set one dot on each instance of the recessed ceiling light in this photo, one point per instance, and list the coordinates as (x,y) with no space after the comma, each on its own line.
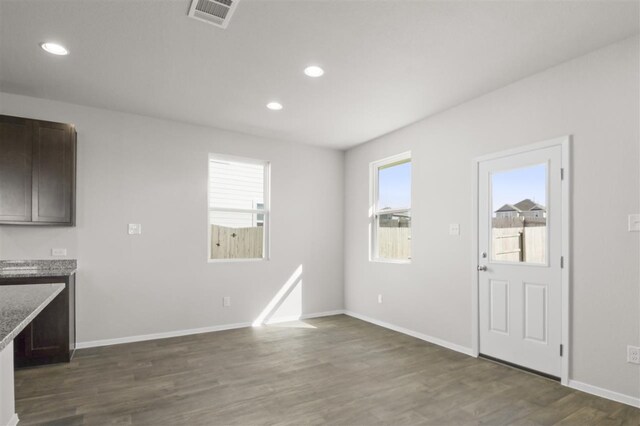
(274,106)
(54,48)
(313,71)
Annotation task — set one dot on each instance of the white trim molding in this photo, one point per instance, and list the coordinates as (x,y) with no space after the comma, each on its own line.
(436,341)
(156,336)
(13,421)
(188,332)
(374,213)
(605,393)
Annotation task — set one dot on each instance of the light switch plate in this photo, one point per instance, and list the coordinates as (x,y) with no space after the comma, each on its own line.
(135,229)
(226,301)
(634,223)
(58,252)
(454,229)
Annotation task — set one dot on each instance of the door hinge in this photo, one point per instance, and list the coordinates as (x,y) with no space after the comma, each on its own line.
(561,262)
(560,350)
(562,173)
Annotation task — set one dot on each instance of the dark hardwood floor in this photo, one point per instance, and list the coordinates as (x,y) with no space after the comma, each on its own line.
(333,370)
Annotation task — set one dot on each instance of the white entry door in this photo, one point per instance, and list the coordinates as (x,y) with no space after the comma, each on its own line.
(519,265)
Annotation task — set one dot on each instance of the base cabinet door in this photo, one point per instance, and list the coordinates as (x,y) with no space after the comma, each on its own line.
(50,337)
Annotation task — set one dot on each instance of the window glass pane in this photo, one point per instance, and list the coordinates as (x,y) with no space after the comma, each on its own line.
(236,235)
(519,215)
(393,233)
(235,185)
(394,186)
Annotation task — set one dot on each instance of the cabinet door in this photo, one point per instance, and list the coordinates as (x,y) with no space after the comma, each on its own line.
(15,169)
(48,333)
(53,172)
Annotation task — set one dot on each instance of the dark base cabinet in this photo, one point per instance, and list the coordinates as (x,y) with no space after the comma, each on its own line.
(51,336)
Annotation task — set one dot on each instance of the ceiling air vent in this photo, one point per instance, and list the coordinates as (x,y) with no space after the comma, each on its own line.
(216,12)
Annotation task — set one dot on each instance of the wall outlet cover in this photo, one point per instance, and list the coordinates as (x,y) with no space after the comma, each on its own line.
(634,223)
(379,298)
(633,354)
(226,301)
(58,252)
(135,229)
(454,229)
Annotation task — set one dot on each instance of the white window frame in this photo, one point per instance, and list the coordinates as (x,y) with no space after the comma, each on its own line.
(373,206)
(266,210)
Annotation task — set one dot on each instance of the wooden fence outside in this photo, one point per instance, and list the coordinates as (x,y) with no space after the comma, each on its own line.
(236,243)
(526,244)
(523,244)
(394,243)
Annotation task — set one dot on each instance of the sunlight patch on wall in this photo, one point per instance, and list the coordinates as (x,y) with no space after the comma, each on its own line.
(286,305)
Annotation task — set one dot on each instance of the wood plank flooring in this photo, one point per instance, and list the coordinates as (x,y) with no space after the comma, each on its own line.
(333,370)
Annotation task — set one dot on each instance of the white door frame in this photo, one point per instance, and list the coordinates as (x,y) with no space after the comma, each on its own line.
(565,143)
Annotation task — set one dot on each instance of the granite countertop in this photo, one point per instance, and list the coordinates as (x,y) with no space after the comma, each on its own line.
(19,305)
(37,268)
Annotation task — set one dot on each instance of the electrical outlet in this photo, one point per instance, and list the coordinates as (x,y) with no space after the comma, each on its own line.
(634,222)
(226,301)
(633,354)
(379,298)
(58,252)
(454,229)
(135,229)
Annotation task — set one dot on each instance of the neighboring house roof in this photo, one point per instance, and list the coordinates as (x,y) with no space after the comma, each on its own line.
(527,205)
(508,208)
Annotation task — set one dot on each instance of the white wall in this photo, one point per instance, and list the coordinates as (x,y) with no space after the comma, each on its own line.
(134,169)
(595,98)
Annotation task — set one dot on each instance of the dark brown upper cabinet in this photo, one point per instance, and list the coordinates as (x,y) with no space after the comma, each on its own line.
(37,172)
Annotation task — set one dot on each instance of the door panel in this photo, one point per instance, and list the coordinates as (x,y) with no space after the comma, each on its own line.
(15,169)
(52,173)
(520,237)
(499,306)
(535,312)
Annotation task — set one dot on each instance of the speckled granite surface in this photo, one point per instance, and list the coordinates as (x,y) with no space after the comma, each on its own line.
(37,268)
(19,305)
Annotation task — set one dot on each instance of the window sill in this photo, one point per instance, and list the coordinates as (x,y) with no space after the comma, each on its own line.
(396,261)
(264,259)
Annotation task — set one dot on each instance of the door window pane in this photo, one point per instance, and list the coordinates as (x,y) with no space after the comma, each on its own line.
(519,215)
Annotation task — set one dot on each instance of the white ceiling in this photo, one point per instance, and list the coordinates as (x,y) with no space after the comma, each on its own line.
(387,63)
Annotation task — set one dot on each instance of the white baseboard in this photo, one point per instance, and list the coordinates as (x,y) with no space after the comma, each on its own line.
(323,314)
(584,387)
(594,390)
(605,393)
(417,335)
(13,421)
(305,316)
(155,336)
(177,333)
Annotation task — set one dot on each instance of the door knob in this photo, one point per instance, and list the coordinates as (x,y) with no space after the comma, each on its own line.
(482,268)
